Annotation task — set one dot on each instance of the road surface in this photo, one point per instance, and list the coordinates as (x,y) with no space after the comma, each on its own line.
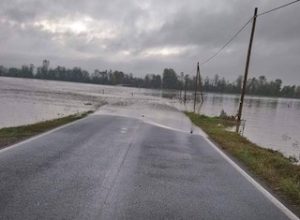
(117,167)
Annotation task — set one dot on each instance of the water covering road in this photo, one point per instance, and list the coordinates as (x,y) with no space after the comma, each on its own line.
(126,161)
(270,122)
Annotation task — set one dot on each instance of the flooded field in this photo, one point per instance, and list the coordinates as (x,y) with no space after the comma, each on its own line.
(270,122)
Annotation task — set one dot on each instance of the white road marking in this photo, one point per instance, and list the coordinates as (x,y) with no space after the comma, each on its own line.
(124,130)
(259,187)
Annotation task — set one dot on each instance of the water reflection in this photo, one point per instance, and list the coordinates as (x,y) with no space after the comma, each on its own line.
(269,122)
(169,94)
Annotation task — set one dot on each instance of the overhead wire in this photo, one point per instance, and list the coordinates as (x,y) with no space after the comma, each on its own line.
(277,8)
(227,43)
(242,28)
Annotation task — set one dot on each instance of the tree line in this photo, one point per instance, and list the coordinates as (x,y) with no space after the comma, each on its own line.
(169,80)
(255,86)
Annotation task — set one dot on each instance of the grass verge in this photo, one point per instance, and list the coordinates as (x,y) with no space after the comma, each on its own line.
(277,171)
(12,135)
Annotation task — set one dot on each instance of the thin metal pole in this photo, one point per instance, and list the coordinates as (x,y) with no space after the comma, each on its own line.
(239,116)
(196,87)
(180,91)
(200,86)
(185,87)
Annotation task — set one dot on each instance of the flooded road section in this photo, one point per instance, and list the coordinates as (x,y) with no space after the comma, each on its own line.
(25,101)
(156,112)
(270,122)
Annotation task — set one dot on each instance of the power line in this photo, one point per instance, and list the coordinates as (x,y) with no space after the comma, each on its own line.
(242,28)
(277,8)
(227,43)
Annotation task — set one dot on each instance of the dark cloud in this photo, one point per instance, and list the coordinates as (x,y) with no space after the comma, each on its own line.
(146,36)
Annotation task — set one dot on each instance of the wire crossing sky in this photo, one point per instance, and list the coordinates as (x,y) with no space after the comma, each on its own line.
(227,43)
(279,7)
(146,36)
(242,28)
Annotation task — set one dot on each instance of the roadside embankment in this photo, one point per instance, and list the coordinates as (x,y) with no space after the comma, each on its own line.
(279,173)
(12,135)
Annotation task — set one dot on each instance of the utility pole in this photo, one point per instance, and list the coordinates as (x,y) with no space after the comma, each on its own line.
(185,87)
(181,85)
(180,91)
(239,116)
(196,87)
(200,86)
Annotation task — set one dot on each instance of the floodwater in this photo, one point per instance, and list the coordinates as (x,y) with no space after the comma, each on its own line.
(269,122)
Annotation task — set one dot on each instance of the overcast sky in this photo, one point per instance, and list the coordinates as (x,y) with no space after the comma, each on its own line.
(143,36)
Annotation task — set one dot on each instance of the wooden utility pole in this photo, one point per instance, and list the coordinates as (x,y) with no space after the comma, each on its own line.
(200,85)
(239,115)
(196,87)
(180,91)
(185,87)
(181,85)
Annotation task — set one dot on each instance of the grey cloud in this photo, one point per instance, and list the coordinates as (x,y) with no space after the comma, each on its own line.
(199,27)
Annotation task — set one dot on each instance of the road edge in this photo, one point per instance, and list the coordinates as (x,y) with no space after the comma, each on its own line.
(291,215)
(9,147)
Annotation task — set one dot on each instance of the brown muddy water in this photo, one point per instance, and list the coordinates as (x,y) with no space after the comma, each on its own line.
(270,122)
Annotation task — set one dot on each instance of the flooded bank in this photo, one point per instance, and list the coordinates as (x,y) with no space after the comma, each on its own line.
(270,122)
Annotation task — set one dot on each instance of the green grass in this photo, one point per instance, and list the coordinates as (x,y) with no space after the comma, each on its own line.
(277,171)
(9,136)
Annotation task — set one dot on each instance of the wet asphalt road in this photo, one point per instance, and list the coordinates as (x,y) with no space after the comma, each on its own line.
(110,167)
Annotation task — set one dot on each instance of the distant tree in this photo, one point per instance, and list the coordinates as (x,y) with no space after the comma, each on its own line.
(14,72)
(117,77)
(152,81)
(170,80)
(252,85)
(3,71)
(297,92)
(26,72)
(238,84)
(288,91)
(46,64)
(156,81)
(216,80)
